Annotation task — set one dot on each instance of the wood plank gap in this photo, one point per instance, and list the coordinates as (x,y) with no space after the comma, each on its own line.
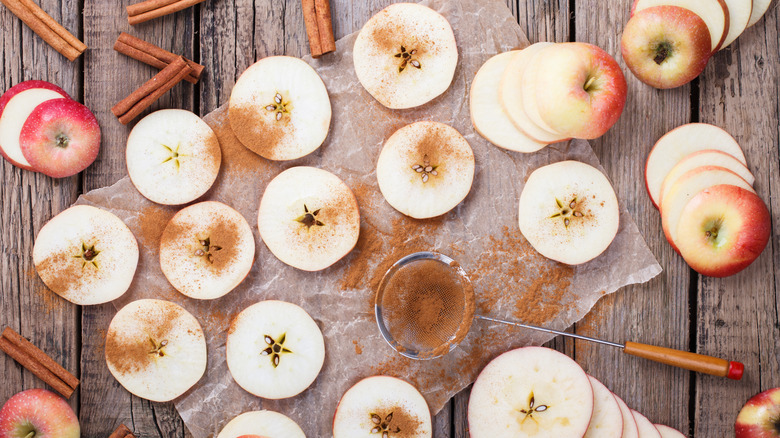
(196,57)
(695,97)
(572,21)
(693,345)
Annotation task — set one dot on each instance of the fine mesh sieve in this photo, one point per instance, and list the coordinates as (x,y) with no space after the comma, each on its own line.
(425,306)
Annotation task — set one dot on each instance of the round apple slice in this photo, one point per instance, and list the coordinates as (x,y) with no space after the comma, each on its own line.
(740,12)
(722,230)
(530,392)
(487,115)
(569,212)
(308,218)
(607,420)
(16,105)
(274,349)
(86,255)
(425,169)
(686,187)
(678,144)
(280,109)
(759,9)
(707,157)
(668,432)
(382,406)
(173,157)
(206,250)
(512,98)
(714,12)
(155,349)
(645,427)
(630,428)
(262,424)
(405,55)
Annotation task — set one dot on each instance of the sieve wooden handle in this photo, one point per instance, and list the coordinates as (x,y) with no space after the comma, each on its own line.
(699,363)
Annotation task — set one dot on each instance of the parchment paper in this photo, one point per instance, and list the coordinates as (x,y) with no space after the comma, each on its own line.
(510,278)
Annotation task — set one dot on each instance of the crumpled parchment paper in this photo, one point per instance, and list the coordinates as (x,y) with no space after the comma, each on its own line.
(511,280)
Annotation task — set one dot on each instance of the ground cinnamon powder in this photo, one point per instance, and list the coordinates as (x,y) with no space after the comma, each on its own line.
(151,223)
(398,421)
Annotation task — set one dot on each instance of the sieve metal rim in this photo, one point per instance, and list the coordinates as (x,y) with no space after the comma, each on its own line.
(403,261)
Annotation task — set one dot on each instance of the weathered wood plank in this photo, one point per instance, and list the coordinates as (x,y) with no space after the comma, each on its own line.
(29,200)
(738,315)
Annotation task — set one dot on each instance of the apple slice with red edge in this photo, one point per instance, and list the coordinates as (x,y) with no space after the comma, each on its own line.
(607,419)
(261,424)
(759,9)
(709,157)
(668,432)
(60,138)
(714,12)
(722,230)
(681,142)
(21,100)
(38,413)
(740,12)
(686,187)
(645,426)
(760,416)
(630,428)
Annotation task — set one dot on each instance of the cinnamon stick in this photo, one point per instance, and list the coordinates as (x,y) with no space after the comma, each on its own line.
(46,27)
(140,99)
(122,432)
(150,9)
(38,362)
(325,26)
(312,27)
(150,54)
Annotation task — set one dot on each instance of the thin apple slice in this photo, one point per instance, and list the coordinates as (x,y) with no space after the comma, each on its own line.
(531,392)
(645,427)
(759,9)
(382,406)
(511,97)
(681,142)
(740,12)
(668,432)
(714,12)
(630,428)
(607,419)
(708,157)
(686,187)
(528,91)
(487,115)
(265,424)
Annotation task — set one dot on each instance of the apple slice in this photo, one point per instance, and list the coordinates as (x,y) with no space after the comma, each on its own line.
(678,144)
(759,416)
(16,104)
(425,169)
(173,157)
(308,218)
(714,12)
(569,212)
(759,9)
(707,157)
(722,230)
(274,349)
(38,413)
(382,406)
(86,255)
(668,432)
(206,250)
(686,187)
(405,55)
(155,349)
(263,424)
(630,428)
(740,12)
(530,392)
(487,115)
(512,98)
(280,109)
(645,427)
(607,419)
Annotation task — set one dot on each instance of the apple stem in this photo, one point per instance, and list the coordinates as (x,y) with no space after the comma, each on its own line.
(589,82)
(30,435)
(662,52)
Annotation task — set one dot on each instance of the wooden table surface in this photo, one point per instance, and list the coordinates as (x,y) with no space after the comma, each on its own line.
(735,318)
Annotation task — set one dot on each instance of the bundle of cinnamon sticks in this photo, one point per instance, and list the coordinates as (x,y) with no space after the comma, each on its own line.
(122,432)
(151,9)
(140,99)
(46,27)
(319,26)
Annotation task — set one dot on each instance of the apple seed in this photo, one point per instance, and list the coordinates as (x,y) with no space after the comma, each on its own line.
(384,426)
(309,218)
(573,209)
(425,169)
(87,255)
(279,106)
(206,249)
(407,58)
(275,349)
(531,409)
(174,156)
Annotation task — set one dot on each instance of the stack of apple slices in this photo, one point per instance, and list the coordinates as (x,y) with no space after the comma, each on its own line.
(42,129)
(667,43)
(539,392)
(697,176)
(524,100)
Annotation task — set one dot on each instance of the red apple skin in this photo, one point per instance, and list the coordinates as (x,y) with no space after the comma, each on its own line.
(755,418)
(744,232)
(39,410)
(60,119)
(685,36)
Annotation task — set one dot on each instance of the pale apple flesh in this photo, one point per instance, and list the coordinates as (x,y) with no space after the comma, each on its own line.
(645,427)
(38,413)
(666,46)
(722,230)
(668,432)
(630,428)
(264,424)
(760,416)
(707,157)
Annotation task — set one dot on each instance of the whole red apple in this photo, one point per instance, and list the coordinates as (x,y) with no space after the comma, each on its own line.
(760,417)
(38,413)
